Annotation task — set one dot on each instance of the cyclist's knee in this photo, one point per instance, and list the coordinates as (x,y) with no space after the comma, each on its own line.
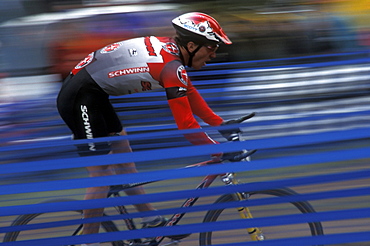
(122,145)
(98,171)
(124,168)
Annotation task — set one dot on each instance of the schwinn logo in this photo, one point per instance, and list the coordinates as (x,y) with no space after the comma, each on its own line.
(128,71)
(188,203)
(88,131)
(176,217)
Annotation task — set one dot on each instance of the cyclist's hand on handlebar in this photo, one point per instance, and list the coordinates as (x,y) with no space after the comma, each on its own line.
(234,156)
(238,156)
(233,134)
(230,134)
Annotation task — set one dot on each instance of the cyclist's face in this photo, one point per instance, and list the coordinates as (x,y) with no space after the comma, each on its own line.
(203,55)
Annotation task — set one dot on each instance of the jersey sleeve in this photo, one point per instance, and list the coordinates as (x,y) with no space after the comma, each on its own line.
(176,83)
(201,108)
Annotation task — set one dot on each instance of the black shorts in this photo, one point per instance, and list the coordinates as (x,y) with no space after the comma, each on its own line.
(87,111)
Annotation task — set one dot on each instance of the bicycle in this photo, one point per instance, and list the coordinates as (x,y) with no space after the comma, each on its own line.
(222,214)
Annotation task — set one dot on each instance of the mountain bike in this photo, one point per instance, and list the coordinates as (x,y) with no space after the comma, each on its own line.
(226,213)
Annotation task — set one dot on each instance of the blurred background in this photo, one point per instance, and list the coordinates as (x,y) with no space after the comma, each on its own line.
(51,36)
(302,65)
(41,40)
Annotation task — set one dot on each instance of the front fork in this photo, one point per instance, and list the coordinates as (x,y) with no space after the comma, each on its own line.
(244,212)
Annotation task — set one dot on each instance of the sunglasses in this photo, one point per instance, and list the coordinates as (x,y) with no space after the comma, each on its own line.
(212,48)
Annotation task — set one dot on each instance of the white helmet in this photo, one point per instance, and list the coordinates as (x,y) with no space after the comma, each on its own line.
(200,28)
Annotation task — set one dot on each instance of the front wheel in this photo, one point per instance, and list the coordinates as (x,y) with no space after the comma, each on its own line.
(270,232)
(29,219)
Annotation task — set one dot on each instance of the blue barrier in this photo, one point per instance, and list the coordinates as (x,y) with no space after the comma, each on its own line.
(340,135)
(174,174)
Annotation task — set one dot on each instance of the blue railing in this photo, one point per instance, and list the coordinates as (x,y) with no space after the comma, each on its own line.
(312,131)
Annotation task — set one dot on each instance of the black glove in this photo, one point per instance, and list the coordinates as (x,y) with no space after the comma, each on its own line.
(237,156)
(230,134)
(233,156)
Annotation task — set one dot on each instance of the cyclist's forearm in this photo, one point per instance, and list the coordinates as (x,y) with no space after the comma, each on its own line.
(184,119)
(200,108)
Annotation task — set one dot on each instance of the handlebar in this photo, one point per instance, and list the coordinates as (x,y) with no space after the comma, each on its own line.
(233,134)
(244,118)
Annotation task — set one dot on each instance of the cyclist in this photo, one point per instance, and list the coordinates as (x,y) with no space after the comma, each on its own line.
(132,66)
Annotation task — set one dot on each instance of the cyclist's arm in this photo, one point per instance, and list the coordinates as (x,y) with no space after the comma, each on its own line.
(176,84)
(201,108)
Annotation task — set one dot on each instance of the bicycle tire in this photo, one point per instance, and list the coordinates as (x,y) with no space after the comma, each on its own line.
(207,238)
(107,226)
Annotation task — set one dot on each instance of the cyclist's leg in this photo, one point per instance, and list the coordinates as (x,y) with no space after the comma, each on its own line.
(82,104)
(123,146)
(99,111)
(95,193)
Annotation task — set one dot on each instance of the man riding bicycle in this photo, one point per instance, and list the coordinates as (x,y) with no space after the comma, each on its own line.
(133,66)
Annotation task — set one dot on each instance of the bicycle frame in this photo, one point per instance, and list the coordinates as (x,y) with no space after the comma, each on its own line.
(227,179)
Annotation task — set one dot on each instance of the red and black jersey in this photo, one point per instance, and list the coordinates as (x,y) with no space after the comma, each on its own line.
(149,63)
